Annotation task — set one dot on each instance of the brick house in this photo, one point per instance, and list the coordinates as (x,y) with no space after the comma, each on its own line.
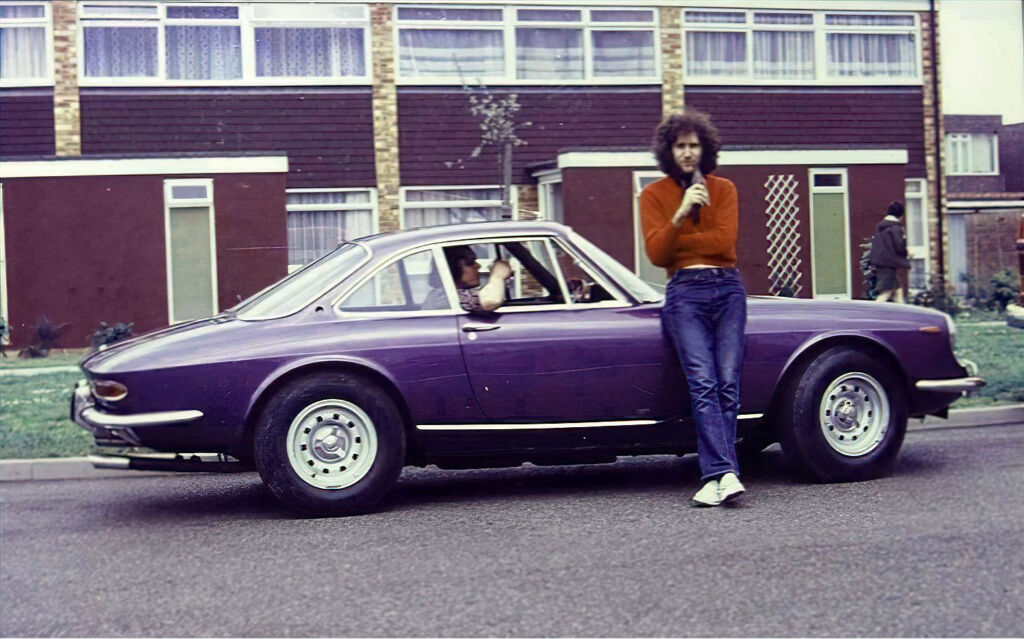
(826,107)
(985,181)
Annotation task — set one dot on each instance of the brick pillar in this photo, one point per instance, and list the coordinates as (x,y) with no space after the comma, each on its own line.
(932,79)
(671,35)
(528,202)
(385,115)
(66,113)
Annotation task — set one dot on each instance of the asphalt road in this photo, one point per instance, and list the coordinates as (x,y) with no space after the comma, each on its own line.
(609,550)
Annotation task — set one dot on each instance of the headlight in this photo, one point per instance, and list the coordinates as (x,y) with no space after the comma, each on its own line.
(108,390)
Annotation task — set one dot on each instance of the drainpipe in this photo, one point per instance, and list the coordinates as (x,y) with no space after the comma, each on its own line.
(933,15)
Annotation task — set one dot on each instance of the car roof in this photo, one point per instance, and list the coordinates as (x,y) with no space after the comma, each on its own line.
(469,231)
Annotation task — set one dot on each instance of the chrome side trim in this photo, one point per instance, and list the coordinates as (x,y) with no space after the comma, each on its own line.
(958,385)
(166,418)
(106,461)
(556,425)
(750,416)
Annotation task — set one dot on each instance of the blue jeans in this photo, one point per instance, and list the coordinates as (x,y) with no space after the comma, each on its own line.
(705,316)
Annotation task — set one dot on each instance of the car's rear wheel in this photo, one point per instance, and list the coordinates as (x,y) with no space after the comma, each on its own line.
(330,444)
(843,416)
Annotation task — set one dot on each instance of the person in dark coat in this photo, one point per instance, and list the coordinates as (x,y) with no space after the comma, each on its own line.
(889,254)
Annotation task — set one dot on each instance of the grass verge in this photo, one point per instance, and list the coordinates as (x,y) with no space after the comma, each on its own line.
(34,408)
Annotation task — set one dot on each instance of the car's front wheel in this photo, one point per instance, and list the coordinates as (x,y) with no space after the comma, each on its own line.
(843,416)
(330,444)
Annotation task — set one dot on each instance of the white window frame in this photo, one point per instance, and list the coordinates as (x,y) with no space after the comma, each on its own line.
(344,206)
(247,23)
(172,203)
(845,190)
(954,140)
(47,23)
(508,25)
(820,30)
(920,251)
(404,204)
(545,182)
(638,230)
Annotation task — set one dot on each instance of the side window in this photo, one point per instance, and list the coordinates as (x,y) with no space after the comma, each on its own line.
(583,289)
(535,279)
(410,284)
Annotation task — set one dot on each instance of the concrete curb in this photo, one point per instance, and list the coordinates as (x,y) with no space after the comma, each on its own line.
(80,468)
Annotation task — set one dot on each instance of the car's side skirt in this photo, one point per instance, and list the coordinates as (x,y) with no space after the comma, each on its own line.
(555,425)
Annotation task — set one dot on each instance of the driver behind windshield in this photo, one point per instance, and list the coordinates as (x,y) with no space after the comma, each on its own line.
(466,273)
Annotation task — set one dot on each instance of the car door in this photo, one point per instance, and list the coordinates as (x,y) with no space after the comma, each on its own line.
(555,353)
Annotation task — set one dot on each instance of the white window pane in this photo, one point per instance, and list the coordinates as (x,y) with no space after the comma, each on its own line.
(913,187)
(22,11)
(329,197)
(120,52)
(549,53)
(119,11)
(22,53)
(387,290)
(420,13)
(461,215)
(713,53)
(203,13)
(452,195)
(621,15)
(189,192)
(981,154)
(203,53)
(914,223)
(318,12)
(784,54)
(309,52)
(313,234)
(877,20)
(623,53)
(871,55)
(191,263)
(549,15)
(721,17)
(469,53)
(783,18)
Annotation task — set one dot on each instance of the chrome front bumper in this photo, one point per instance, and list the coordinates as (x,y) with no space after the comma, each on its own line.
(105,426)
(958,385)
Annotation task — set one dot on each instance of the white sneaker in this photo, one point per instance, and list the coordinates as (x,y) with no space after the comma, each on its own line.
(708,495)
(729,487)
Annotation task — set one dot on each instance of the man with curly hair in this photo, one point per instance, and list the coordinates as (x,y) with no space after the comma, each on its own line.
(690,223)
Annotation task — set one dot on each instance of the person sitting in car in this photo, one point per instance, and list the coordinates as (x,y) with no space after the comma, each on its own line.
(465,270)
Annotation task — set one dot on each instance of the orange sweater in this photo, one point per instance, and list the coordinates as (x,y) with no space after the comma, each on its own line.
(710,241)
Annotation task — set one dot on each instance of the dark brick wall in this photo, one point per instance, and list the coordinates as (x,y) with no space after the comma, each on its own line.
(1011,156)
(103,257)
(436,129)
(989,239)
(26,122)
(327,132)
(972,123)
(811,117)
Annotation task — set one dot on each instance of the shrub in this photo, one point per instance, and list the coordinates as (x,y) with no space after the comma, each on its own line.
(110,334)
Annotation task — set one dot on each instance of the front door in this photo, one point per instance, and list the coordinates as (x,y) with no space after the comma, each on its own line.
(830,234)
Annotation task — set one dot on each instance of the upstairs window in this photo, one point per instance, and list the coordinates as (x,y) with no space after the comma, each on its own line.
(794,46)
(25,35)
(972,154)
(526,45)
(319,220)
(265,43)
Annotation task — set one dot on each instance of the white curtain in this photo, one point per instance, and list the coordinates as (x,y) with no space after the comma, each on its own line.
(452,195)
(314,233)
(623,53)
(22,53)
(716,53)
(871,55)
(456,215)
(203,53)
(119,52)
(469,52)
(549,54)
(784,54)
(309,52)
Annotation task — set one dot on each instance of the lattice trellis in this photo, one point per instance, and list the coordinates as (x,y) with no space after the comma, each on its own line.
(783,235)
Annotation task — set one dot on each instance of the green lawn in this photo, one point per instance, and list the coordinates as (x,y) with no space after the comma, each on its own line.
(34,408)
(61,357)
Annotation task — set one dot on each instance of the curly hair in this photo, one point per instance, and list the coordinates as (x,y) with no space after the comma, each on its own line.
(688,121)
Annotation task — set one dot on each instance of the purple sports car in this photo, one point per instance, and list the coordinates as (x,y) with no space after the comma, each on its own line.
(331,380)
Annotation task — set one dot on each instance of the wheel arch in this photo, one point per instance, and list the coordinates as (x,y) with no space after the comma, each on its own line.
(273,384)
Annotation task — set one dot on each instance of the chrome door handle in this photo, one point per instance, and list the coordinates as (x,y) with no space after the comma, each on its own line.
(479,328)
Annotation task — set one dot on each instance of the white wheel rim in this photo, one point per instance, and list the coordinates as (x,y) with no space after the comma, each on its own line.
(854,414)
(331,444)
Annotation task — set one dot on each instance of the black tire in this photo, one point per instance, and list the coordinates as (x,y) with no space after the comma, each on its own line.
(324,402)
(855,432)
(750,447)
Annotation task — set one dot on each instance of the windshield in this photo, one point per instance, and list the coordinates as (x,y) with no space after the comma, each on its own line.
(304,285)
(637,287)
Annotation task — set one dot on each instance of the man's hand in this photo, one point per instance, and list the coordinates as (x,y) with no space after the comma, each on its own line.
(501,270)
(696,195)
(492,294)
